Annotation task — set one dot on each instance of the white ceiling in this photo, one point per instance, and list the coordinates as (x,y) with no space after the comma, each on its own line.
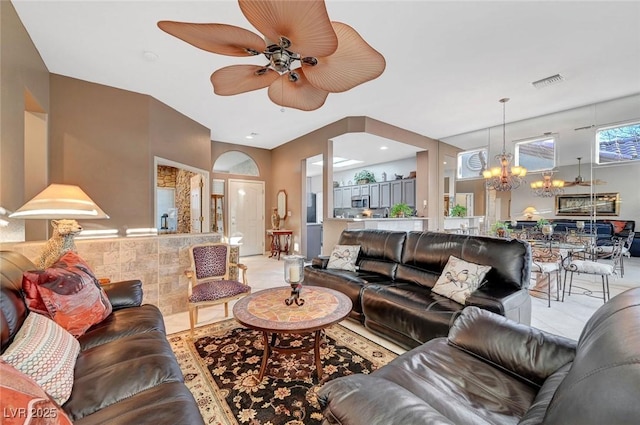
(448,62)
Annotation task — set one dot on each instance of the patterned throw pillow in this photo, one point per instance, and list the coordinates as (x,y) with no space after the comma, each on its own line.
(343,257)
(47,353)
(23,402)
(68,293)
(459,279)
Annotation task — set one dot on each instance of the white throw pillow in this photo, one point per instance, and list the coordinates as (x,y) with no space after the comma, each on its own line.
(343,257)
(459,279)
(46,352)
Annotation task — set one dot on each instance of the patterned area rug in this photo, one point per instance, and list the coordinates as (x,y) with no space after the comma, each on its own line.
(222,362)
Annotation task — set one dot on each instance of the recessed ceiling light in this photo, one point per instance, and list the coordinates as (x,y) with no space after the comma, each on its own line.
(251,136)
(382,148)
(150,56)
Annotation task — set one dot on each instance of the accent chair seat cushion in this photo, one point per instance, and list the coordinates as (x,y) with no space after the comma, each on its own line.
(216,290)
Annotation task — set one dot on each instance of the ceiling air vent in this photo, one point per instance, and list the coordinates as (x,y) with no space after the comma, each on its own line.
(554,79)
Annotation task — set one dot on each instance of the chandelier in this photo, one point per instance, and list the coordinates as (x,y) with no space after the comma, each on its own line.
(505,177)
(547,187)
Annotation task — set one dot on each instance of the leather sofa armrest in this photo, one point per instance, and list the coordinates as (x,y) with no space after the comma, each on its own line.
(369,400)
(127,293)
(524,351)
(320,262)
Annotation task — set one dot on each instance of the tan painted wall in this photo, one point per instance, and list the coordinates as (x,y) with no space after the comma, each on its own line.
(104,139)
(21,69)
(100,141)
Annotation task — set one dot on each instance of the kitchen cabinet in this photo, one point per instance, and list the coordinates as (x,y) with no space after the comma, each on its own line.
(385,195)
(396,192)
(374,195)
(337,197)
(403,191)
(409,192)
(355,190)
(314,240)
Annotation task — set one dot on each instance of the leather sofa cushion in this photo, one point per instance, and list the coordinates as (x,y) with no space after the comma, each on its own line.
(168,403)
(358,400)
(142,361)
(510,260)
(606,370)
(122,323)
(13,310)
(379,249)
(462,387)
(349,283)
(525,352)
(411,312)
(538,409)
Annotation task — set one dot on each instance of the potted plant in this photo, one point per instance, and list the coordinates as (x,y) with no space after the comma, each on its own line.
(364,177)
(458,211)
(401,210)
(500,229)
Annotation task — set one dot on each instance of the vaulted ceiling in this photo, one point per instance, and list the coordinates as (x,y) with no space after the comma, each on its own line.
(447,62)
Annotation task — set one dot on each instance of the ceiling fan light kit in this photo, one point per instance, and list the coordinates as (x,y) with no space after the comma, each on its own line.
(311,58)
(579,181)
(504,177)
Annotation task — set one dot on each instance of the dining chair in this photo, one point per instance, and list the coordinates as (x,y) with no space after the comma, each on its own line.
(209,280)
(605,251)
(547,268)
(597,268)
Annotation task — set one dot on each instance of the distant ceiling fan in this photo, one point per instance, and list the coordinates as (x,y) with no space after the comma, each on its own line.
(308,55)
(579,181)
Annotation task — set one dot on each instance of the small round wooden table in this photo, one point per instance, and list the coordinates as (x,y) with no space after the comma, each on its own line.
(266,311)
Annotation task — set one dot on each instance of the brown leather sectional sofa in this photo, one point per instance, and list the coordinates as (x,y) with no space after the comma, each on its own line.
(126,372)
(391,290)
(490,370)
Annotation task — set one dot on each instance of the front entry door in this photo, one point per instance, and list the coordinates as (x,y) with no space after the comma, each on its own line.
(246,215)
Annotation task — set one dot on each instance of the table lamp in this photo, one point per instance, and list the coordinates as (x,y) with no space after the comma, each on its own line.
(60,201)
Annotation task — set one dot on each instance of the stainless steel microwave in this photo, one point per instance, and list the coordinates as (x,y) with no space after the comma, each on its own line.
(360,201)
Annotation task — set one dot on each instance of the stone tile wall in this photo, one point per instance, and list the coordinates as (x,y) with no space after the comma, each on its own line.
(159,262)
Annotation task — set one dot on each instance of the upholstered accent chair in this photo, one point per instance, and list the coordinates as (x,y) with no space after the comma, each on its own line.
(209,282)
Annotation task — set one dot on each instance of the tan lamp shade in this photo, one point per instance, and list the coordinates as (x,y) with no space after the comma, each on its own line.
(60,201)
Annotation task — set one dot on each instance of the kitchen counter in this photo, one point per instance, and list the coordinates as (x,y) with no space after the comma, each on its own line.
(333,227)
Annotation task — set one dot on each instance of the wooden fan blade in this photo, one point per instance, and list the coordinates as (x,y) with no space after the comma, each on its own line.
(238,79)
(305,23)
(216,38)
(299,95)
(353,63)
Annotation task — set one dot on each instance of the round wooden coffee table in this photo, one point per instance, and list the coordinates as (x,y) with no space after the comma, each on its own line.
(266,311)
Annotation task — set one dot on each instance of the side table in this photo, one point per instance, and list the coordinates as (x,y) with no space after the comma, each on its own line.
(280,242)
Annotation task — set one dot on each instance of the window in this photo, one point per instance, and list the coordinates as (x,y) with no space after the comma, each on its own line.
(537,154)
(472,163)
(618,144)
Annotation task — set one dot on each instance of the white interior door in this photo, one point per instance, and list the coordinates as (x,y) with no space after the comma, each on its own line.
(246,215)
(196,204)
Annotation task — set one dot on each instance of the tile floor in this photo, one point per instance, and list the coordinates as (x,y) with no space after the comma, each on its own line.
(563,318)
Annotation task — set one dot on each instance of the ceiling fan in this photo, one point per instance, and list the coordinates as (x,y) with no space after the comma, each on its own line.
(579,181)
(308,56)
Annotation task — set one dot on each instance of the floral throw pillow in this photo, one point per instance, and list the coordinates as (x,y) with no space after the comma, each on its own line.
(68,293)
(343,257)
(459,279)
